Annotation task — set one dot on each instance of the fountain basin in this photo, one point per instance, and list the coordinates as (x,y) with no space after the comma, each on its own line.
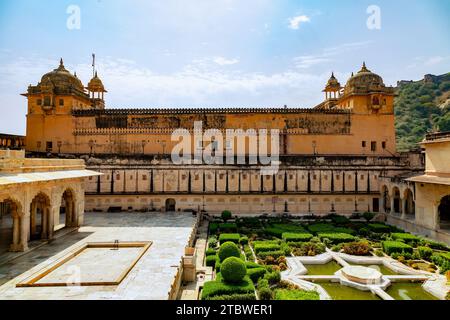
(361,274)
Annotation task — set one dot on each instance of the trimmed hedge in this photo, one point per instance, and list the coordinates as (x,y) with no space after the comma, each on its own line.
(379,228)
(396,247)
(320,227)
(407,237)
(275,254)
(233,270)
(336,238)
(219,288)
(243,240)
(227,227)
(277,230)
(264,247)
(211,261)
(256,273)
(232,237)
(210,252)
(296,237)
(234,296)
(251,265)
(228,249)
(295,294)
(425,252)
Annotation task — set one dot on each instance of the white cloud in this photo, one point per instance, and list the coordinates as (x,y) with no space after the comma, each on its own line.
(434,60)
(224,61)
(294,22)
(328,54)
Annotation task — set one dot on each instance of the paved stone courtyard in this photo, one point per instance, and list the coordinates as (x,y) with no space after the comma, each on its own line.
(150,278)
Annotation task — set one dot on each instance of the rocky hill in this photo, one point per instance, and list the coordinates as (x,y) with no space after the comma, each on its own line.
(420,107)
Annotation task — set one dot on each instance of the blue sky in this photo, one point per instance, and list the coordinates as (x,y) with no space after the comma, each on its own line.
(216,53)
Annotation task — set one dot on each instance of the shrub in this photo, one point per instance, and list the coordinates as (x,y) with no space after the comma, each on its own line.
(435,245)
(264,247)
(226,215)
(212,242)
(256,273)
(296,237)
(406,237)
(251,265)
(217,265)
(425,252)
(211,261)
(228,249)
(232,237)
(264,291)
(213,227)
(273,277)
(295,294)
(336,238)
(274,254)
(379,253)
(309,249)
(357,248)
(339,219)
(233,270)
(248,252)
(368,216)
(227,227)
(216,288)
(320,227)
(396,247)
(210,252)
(379,228)
(277,230)
(234,296)
(243,240)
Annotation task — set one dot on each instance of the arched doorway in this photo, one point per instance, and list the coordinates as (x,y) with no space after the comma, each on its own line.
(67,214)
(396,199)
(444,213)
(6,226)
(170,204)
(39,217)
(409,208)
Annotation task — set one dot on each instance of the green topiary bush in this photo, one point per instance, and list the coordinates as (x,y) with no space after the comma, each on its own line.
(226,215)
(228,249)
(256,273)
(264,247)
(391,247)
(210,252)
(232,237)
(220,288)
(233,270)
(273,277)
(378,228)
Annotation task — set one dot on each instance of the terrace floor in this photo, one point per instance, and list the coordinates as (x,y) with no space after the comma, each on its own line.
(150,278)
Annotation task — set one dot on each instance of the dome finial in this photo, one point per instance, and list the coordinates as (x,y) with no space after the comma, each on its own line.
(61,62)
(364,68)
(95,74)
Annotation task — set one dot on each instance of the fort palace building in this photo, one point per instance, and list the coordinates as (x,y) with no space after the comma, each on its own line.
(337,157)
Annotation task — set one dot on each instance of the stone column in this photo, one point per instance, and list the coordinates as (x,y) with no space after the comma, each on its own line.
(16,234)
(24,232)
(403,204)
(33,218)
(52,210)
(392,205)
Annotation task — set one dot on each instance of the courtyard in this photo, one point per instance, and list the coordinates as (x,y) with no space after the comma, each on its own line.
(147,274)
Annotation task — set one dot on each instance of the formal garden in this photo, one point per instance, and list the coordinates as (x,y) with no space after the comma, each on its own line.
(248,254)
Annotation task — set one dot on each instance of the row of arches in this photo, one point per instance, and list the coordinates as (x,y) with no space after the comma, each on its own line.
(398,202)
(401,202)
(20,224)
